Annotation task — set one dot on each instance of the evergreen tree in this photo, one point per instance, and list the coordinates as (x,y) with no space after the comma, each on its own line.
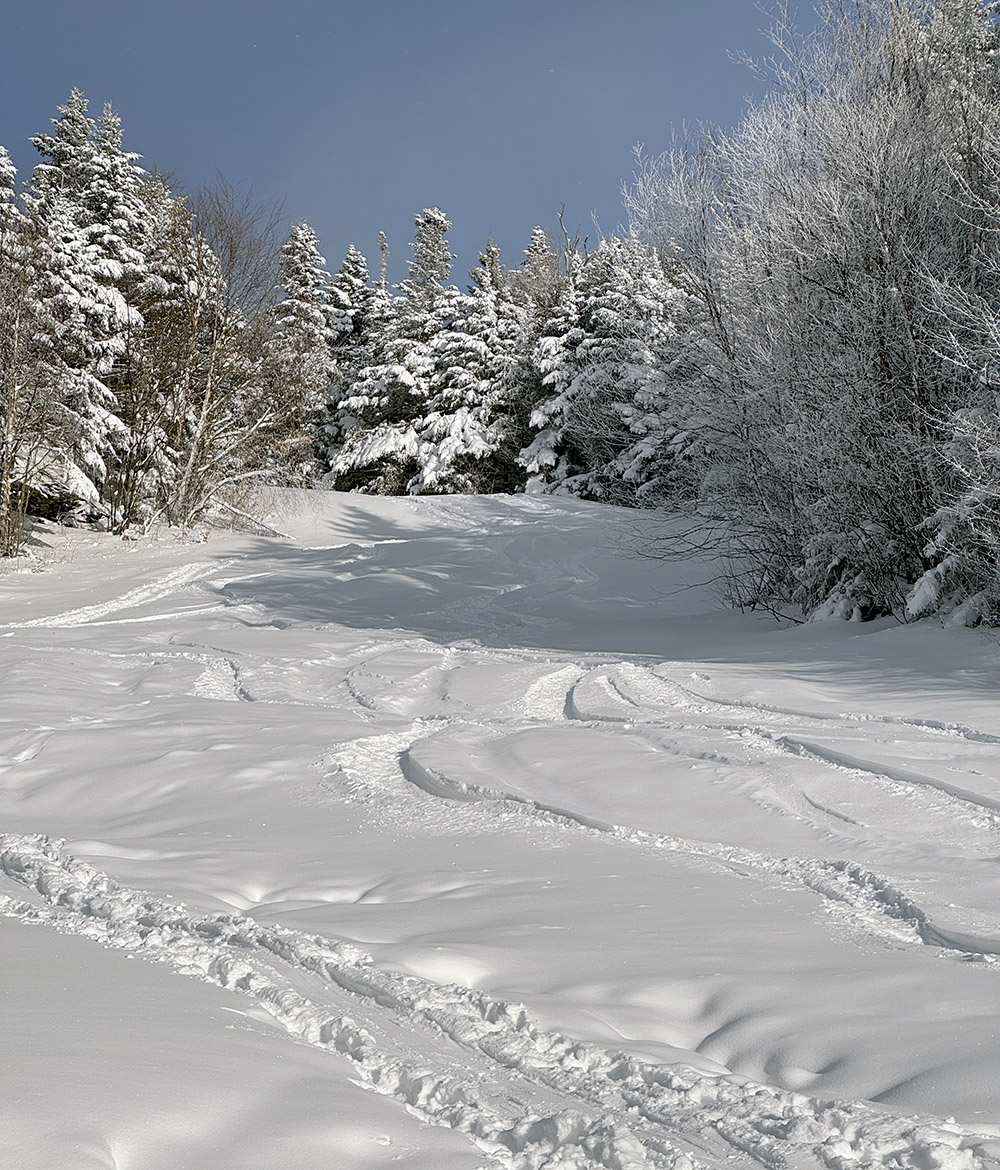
(350,292)
(465,437)
(352,324)
(17,390)
(84,198)
(608,427)
(381,450)
(155,362)
(430,266)
(302,316)
(9,211)
(116,220)
(538,282)
(67,167)
(388,400)
(110,206)
(549,458)
(76,344)
(299,360)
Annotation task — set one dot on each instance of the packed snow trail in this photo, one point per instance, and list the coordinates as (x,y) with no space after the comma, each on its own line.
(492,818)
(674,1104)
(867,899)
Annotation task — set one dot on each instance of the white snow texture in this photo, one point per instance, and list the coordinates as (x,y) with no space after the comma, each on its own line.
(488,843)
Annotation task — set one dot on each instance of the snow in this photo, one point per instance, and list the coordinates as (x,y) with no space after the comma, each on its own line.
(483,842)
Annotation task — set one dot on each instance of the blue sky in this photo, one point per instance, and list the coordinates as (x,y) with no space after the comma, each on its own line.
(357,113)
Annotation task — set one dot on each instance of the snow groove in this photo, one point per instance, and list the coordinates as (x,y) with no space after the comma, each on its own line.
(623,1113)
(837,759)
(621,695)
(943,727)
(172,582)
(227,951)
(866,899)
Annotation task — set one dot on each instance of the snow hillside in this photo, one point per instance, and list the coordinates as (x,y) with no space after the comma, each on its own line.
(488,843)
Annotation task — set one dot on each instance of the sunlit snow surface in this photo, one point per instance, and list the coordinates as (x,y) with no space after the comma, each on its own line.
(488,843)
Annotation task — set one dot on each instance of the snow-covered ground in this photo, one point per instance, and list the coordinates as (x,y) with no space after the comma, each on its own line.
(489,844)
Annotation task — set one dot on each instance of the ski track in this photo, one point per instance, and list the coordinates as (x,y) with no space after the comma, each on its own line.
(621,1113)
(172,582)
(580,1105)
(985,808)
(381,772)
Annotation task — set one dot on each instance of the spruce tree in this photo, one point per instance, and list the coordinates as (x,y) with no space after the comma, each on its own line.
(388,400)
(466,444)
(430,266)
(299,360)
(353,322)
(548,458)
(16,385)
(83,197)
(67,154)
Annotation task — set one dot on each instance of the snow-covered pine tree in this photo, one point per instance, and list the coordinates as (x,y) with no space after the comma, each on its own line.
(466,440)
(67,155)
(299,359)
(74,344)
(608,428)
(350,292)
(355,317)
(116,219)
(430,266)
(388,399)
(549,459)
(536,286)
(78,197)
(18,428)
(45,387)
(622,415)
(8,189)
(111,206)
(86,180)
(509,336)
(156,362)
(538,281)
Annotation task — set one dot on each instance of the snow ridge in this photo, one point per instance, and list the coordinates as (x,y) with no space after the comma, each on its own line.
(625,1114)
(234,951)
(373,767)
(171,582)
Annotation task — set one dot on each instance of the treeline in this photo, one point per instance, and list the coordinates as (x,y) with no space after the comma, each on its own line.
(144,364)
(796,341)
(545,376)
(161,350)
(843,248)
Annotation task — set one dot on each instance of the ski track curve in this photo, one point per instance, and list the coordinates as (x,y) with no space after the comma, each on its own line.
(381,772)
(634,711)
(618,1113)
(908,776)
(172,582)
(943,727)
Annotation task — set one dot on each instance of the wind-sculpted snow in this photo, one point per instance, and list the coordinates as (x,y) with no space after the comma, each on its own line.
(636,1110)
(865,898)
(237,953)
(456,800)
(143,595)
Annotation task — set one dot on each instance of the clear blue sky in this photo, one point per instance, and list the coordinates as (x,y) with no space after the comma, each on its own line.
(357,113)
